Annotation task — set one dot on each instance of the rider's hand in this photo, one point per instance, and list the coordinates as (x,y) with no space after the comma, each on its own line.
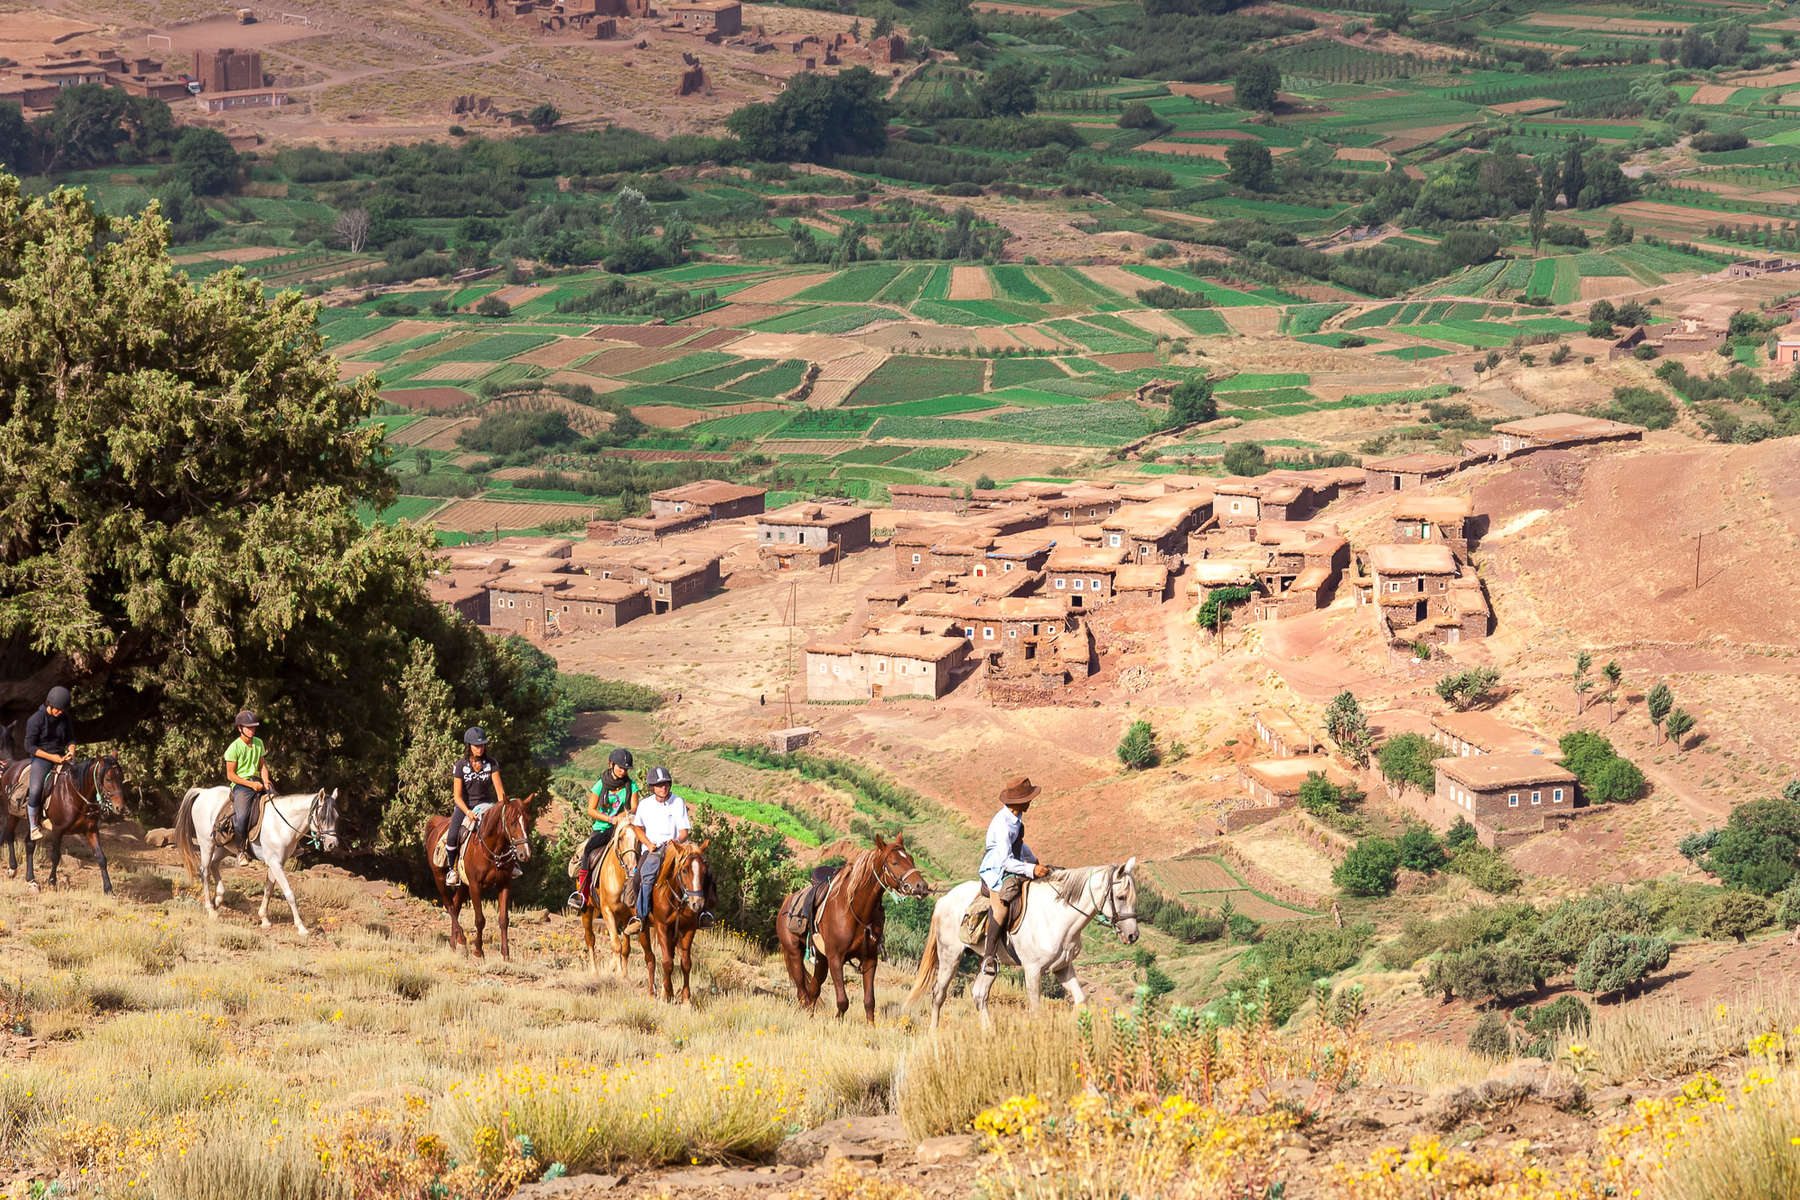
(1039,870)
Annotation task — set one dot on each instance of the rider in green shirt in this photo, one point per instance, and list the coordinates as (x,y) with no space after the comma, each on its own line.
(611,802)
(247,770)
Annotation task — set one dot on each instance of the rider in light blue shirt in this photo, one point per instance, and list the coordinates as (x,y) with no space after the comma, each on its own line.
(1006,864)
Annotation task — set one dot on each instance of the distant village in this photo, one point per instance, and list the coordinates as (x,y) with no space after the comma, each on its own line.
(995,591)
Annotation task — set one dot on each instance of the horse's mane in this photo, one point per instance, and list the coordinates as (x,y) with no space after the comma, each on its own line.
(1071,882)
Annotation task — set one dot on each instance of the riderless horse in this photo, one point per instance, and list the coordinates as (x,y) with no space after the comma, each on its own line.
(77,797)
(287,821)
(683,894)
(1047,939)
(848,923)
(493,844)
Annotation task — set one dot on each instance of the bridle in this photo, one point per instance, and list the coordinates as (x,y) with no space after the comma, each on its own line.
(911,873)
(1107,911)
(518,849)
(97,771)
(310,829)
(867,927)
(695,896)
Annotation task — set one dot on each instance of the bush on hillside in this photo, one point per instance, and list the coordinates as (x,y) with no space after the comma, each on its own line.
(1736,915)
(1619,963)
(1486,869)
(1491,1037)
(1369,869)
(590,693)
(1291,957)
(1137,750)
(1604,775)
(1758,849)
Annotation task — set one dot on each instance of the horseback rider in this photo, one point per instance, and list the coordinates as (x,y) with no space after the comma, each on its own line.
(49,743)
(661,818)
(247,770)
(1007,863)
(475,780)
(610,804)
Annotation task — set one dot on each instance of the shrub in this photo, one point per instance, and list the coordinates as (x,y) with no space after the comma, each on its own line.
(590,693)
(1486,869)
(1465,689)
(1759,848)
(1787,906)
(1138,115)
(493,306)
(1420,849)
(1137,750)
(1485,973)
(1735,915)
(1243,929)
(1619,963)
(1460,836)
(1321,797)
(1566,931)
(1643,352)
(752,871)
(1491,1037)
(1369,869)
(1406,759)
(1604,775)
(1291,957)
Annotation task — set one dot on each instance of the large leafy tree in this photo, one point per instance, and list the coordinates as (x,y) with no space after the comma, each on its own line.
(179,539)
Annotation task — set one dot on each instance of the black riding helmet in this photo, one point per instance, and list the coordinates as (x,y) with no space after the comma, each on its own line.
(620,758)
(58,698)
(247,720)
(475,736)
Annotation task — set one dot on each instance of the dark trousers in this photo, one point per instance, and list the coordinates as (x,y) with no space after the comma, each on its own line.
(649,867)
(1000,902)
(34,795)
(596,843)
(453,835)
(241,800)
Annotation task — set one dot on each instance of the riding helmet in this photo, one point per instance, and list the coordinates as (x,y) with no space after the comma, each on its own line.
(475,736)
(58,698)
(620,758)
(660,775)
(247,720)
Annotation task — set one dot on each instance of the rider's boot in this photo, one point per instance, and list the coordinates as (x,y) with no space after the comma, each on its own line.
(578,899)
(32,815)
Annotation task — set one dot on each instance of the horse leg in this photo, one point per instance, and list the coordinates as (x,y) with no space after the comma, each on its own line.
(649,958)
(279,875)
(505,900)
(815,984)
(949,954)
(868,977)
(453,906)
(665,946)
(55,860)
(621,945)
(587,933)
(100,861)
(12,852)
(837,982)
(1071,985)
(480,921)
(30,856)
(687,966)
(1034,976)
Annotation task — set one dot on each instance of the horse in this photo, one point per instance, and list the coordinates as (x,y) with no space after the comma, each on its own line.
(492,847)
(286,821)
(676,910)
(608,901)
(1057,909)
(849,922)
(77,797)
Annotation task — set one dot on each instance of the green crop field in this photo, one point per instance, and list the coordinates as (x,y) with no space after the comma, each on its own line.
(906,378)
(853,284)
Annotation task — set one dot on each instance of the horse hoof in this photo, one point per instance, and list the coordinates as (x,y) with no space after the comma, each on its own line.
(268,925)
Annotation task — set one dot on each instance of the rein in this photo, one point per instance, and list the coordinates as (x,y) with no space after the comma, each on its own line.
(1105,918)
(96,770)
(311,832)
(510,856)
(875,859)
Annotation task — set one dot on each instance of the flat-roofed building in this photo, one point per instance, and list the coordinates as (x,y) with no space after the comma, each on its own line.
(1498,792)
(1407,471)
(889,665)
(808,534)
(1081,574)
(709,499)
(1466,734)
(1142,585)
(1562,429)
(1283,736)
(1156,531)
(1272,786)
(1441,519)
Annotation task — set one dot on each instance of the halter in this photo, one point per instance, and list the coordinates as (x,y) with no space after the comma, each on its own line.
(517,849)
(1101,913)
(310,829)
(97,769)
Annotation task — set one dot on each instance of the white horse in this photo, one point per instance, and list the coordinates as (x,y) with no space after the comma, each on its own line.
(1057,910)
(287,820)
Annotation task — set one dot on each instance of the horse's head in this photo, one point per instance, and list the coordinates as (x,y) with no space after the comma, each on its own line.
(325,820)
(895,869)
(109,786)
(694,875)
(1120,903)
(512,818)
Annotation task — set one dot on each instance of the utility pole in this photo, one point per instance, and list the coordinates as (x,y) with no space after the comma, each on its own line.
(1697,540)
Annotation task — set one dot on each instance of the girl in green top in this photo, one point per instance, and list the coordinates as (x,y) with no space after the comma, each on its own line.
(611,800)
(247,770)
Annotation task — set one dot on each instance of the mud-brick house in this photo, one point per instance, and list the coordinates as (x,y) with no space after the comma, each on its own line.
(810,534)
(537,603)
(1498,793)
(708,500)
(463,592)
(1082,506)
(1272,785)
(1412,582)
(1082,575)
(884,665)
(1141,585)
(1443,520)
(1283,736)
(1237,504)
(1467,734)
(1561,429)
(1156,531)
(1407,471)
(918,497)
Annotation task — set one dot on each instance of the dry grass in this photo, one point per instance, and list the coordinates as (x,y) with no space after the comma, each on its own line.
(1748,1153)
(947,1080)
(1661,1037)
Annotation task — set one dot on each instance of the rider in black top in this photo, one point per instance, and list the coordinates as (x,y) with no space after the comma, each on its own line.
(474,780)
(49,742)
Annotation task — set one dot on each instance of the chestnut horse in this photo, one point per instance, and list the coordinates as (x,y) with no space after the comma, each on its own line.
(679,903)
(77,796)
(492,847)
(607,899)
(849,923)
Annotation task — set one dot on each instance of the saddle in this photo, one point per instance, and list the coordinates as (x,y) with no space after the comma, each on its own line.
(222,824)
(441,858)
(803,914)
(15,781)
(973,929)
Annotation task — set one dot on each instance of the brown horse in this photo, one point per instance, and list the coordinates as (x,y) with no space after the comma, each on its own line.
(679,902)
(607,899)
(77,796)
(492,847)
(849,923)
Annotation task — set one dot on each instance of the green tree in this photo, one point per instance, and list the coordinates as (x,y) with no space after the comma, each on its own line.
(1619,963)
(1735,915)
(1321,797)
(818,115)
(1257,86)
(1369,868)
(205,161)
(185,539)
(1250,165)
(1614,676)
(631,215)
(17,147)
(678,237)
(1348,727)
(1539,221)
(1461,835)
(429,750)
(1137,749)
(985,483)
(1420,850)
(1483,974)
(1192,402)
(84,129)
(1582,684)
(544,117)
(492,306)
(1138,115)
(1658,703)
(1758,850)
(1465,689)
(752,872)
(1215,610)
(1604,775)
(1245,458)
(1406,759)
(1679,722)
(1010,90)
(1574,172)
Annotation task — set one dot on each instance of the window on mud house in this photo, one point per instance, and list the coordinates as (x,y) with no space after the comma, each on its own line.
(1556,796)
(1006,566)
(915,558)
(1059,583)
(1080,583)
(987,633)
(1537,797)
(1512,801)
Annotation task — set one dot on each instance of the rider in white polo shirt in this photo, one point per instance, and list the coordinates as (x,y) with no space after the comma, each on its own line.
(661,818)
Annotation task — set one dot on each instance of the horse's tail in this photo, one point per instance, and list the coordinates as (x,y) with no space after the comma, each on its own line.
(927,967)
(184,834)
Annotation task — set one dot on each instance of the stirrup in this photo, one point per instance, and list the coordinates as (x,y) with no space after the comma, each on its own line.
(577,901)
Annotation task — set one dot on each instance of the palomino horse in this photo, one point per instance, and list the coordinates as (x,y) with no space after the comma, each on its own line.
(492,847)
(678,903)
(607,899)
(286,822)
(849,922)
(1048,938)
(77,796)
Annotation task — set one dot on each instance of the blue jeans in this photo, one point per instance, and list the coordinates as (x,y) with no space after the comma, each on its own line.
(34,795)
(649,867)
(241,799)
